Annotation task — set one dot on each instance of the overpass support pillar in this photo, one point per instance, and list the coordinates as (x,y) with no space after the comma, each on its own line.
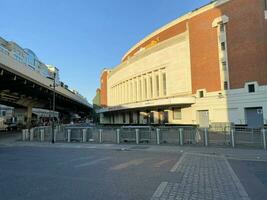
(29,116)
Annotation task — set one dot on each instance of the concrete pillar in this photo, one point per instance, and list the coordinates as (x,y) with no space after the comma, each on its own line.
(42,135)
(233,138)
(264,138)
(23,135)
(55,134)
(158,132)
(206,137)
(29,116)
(100,135)
(137,135)
(31,134)
(118,136)
(69,134)
(26,134)
(84,135)
(181,137)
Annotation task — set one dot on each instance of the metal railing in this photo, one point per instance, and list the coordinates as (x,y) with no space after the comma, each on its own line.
(169,135)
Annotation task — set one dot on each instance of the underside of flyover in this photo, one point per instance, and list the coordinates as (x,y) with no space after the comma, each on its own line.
(19,92)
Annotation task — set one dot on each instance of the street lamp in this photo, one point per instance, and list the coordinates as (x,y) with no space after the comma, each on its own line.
(53,71)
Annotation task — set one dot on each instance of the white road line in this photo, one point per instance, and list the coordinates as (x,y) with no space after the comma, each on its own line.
(128,164)
(160,190)
(77,159)
(174,168)
(237,182)
(92,162)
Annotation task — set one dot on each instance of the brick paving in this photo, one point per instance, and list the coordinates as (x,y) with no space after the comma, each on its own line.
(202,177)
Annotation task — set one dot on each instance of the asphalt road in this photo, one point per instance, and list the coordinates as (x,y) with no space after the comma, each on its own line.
(58,173)
(82,173)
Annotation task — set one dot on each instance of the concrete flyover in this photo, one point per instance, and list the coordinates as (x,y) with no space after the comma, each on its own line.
(24,88)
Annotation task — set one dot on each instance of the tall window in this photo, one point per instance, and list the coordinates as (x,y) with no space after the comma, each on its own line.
(135,90)
(145,88)
(224,66)
(140,89)
(223,47)
(222,27)
(151,86)
(157,84)
(131,91)
(225,85)
(164,84)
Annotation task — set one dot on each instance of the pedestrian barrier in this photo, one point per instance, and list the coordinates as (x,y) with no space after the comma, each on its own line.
(249,137)
(234,136)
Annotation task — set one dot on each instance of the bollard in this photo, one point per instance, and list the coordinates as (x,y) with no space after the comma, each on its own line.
(232,138)
(26,134)
(31,134)
(84,135)
(69,134)
(42,135)
(118,136)
(23,135)
(206,137)
(181,139)
(100,135)
(55,134)
(137,136)
(264,138)
(158,132)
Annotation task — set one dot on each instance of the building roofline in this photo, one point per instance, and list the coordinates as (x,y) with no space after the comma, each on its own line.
(188,15)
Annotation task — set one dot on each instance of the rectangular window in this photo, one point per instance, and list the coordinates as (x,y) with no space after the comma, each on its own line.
(251,88)
(201,94)
(223,46)
(222,27)
(3,113)
(225,85)
(224,67)
(157,84)
(177,114)
(164,84)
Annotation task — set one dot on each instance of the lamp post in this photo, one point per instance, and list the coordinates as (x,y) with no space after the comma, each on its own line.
(53,71)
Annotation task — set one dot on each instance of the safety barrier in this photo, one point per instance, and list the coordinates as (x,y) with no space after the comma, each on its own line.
(176,135)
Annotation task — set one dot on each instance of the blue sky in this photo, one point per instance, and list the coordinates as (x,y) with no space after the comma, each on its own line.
(81,37)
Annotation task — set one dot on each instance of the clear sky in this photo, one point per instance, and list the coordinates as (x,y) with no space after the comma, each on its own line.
(81,37)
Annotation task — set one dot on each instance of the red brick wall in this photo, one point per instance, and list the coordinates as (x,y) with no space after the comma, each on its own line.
(103,94)
(205,71)
(246,39)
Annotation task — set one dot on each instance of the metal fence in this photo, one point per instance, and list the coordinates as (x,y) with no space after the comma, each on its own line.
(169,135)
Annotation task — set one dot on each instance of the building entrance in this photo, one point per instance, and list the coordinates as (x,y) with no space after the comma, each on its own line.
(203,118)
(254,117)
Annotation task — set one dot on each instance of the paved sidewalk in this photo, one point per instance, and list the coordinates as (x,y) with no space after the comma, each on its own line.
(202,177)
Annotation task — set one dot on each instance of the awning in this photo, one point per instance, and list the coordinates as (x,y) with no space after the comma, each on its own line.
(153,103)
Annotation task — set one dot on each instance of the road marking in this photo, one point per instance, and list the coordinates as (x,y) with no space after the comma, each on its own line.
(174,168)
(77,159)
(160,189)
(163,162)
(92,162)
(237,182)
(128,164)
